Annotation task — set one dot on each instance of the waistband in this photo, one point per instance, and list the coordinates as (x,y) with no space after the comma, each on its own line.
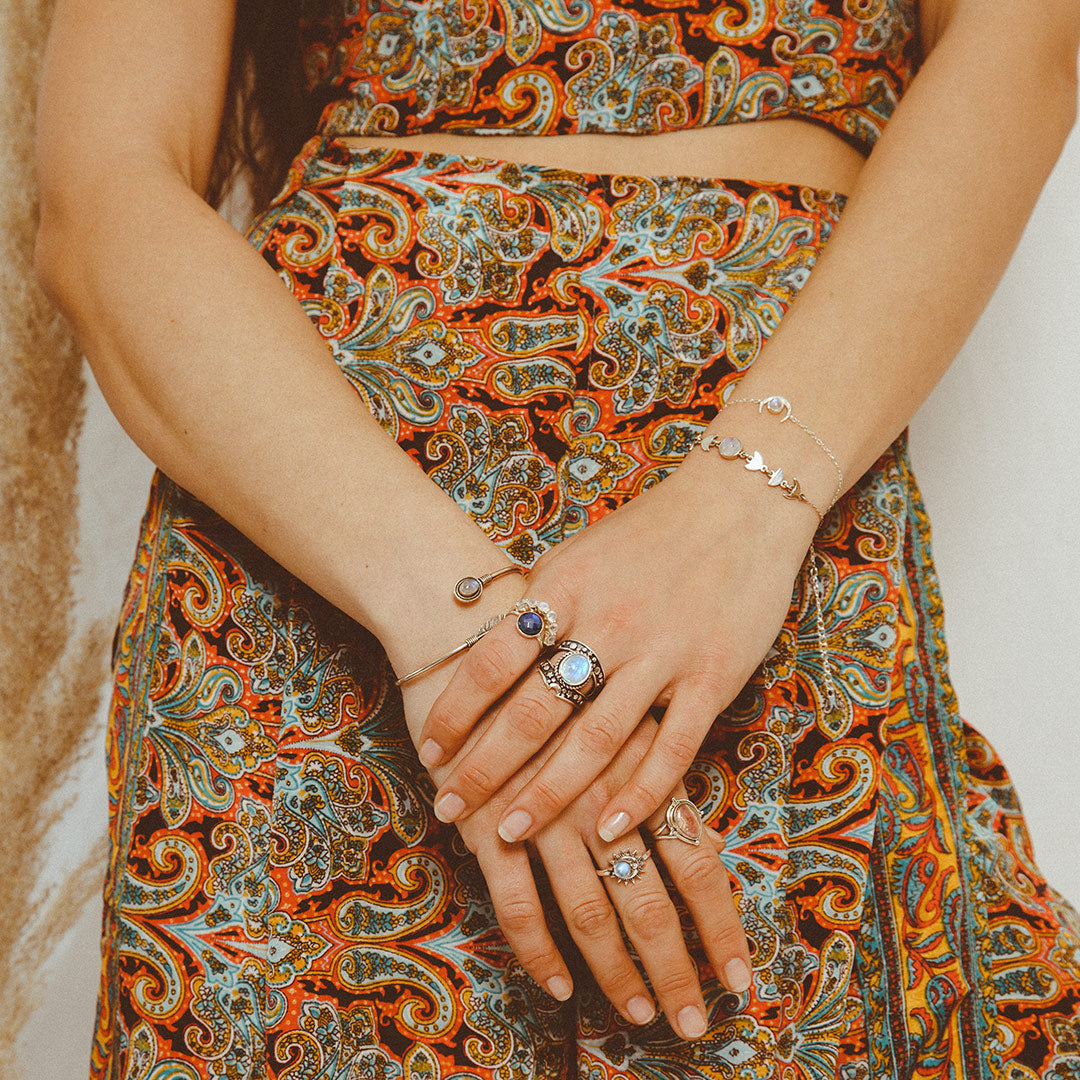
(326,153)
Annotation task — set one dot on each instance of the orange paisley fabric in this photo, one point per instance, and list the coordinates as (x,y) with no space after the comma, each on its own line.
(546,67)
(281,901)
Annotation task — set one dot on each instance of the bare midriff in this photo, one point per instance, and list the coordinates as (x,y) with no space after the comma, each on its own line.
(783,150)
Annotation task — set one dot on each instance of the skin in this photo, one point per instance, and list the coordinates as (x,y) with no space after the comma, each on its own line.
(183,345)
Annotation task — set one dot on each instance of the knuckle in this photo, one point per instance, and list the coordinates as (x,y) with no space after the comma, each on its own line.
(618,978)
(530,717)
(546,797)
(476,778)
(679,748)
(446,720)
(601,736)
(488,667)
(644,798)
(618,615)
(538,961)
(676,983)
(702,874)
(641,738)
(590,918)
(712,682)
(518,917)
(563,588)
(651,916)
(728,939)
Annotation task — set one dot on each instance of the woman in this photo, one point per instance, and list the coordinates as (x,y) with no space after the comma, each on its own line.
(288,895)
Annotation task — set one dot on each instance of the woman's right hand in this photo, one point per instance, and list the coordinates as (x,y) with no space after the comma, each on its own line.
(601,914)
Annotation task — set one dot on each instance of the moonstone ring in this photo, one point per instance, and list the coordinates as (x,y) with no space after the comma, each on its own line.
(682,822)
(572,672)
(625,866)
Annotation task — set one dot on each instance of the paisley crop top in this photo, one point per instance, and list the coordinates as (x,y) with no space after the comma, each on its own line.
(540,67)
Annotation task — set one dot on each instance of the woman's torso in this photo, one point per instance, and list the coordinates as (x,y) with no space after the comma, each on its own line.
(594,86)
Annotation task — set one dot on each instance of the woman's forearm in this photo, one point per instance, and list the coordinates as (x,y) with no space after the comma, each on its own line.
(922,242)
(218,374)
(201,350)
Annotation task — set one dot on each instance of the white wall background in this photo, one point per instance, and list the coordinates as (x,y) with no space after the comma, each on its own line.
(996,449)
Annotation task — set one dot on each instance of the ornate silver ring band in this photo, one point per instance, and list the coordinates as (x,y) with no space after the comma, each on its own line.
(682,822)
(625,866)
(572,672)
(468,643)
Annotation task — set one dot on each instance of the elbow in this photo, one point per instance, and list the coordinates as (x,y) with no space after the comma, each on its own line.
(62,241)
(1063,81)
(1067,88)
(1072,98)
(54,243)
(1053,118)
(48,257)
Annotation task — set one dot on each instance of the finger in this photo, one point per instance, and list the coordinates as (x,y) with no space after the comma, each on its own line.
(523,724)
(652,924)
(593,739)
(677,742)
(485,673)
(592,923)
(701,879)
(521,917)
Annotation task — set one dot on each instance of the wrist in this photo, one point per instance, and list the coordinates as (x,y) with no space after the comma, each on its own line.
(426,622)
(725,495)
(765,436)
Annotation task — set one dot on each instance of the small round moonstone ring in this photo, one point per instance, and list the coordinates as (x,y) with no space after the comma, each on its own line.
(682,822)
(625,866)
(572,672)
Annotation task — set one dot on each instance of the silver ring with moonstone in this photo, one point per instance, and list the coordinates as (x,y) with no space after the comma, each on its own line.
(625,866)
(682,822)
(572,672)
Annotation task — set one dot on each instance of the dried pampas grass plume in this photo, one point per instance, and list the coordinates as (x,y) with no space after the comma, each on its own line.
(50,676)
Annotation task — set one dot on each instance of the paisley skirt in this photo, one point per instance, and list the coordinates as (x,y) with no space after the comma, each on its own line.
(281,901)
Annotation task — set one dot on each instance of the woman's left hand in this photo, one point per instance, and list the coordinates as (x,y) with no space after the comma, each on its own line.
(679,593)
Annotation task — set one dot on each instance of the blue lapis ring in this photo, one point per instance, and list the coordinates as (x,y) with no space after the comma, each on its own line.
(536,620)
(572,672)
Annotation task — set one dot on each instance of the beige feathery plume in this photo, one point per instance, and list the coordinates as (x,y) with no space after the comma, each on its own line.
(50,675)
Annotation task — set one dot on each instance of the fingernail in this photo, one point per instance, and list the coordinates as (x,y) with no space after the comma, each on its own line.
(448,807)
(737,975)
(614,827)
(559,988)
(692,1022)
(430,753)
(641,1009)
(515,825)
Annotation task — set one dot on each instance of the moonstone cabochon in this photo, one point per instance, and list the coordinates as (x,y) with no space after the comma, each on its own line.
(575,669)
(468,588)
